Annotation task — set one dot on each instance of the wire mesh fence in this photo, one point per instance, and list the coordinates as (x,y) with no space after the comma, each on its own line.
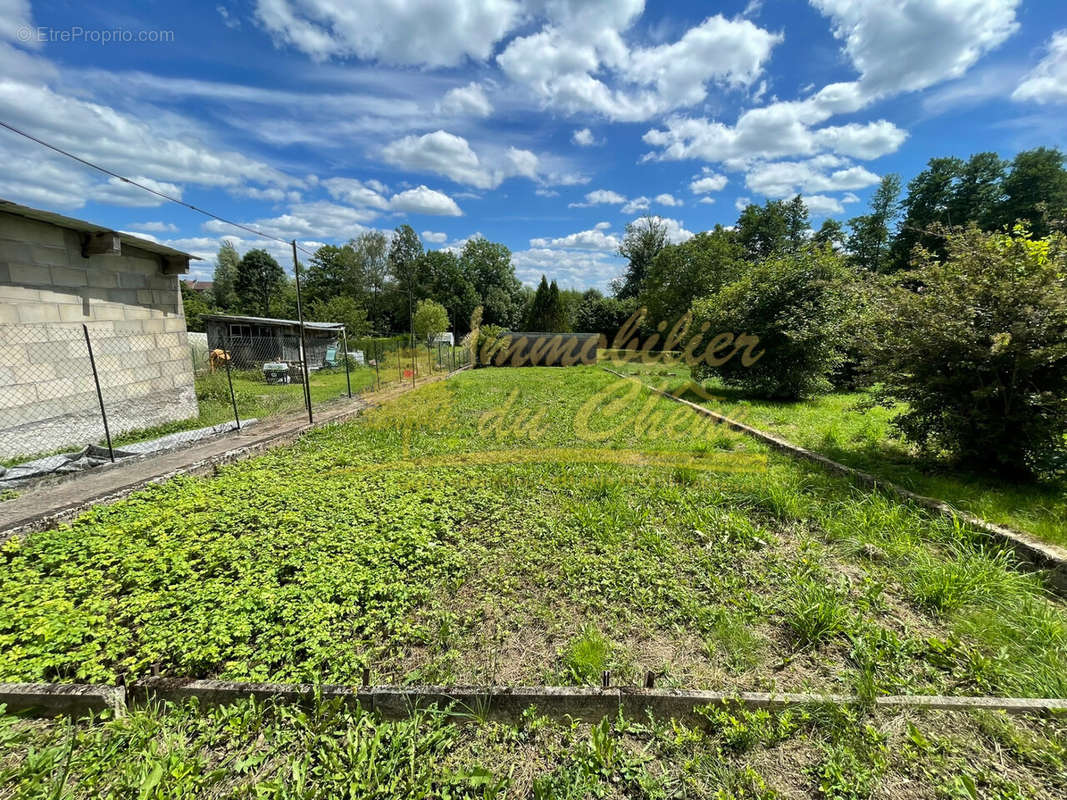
(73,396)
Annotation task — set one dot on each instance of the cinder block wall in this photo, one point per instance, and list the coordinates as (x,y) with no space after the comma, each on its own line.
(136,324)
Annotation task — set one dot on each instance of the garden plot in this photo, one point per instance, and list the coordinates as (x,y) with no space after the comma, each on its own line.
(535,526)
(462,535)
(456,537)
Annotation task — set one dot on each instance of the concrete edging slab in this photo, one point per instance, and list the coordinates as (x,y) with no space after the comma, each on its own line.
(506,703)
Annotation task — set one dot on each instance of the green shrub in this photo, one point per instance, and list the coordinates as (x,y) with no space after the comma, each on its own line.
(794,304)
(491,345)
(976,346)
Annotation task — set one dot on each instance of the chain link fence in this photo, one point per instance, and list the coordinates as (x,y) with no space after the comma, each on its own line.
(74,396)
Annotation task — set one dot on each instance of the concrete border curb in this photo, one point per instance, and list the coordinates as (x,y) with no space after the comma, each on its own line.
(1037,554)
(506,703)
(62,698)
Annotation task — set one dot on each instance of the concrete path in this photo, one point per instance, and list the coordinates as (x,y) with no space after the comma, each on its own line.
(58,500)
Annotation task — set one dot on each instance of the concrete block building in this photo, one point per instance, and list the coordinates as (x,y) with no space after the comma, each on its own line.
(58,274)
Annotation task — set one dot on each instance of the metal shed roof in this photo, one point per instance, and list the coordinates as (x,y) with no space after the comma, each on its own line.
(322,326)
(80,225)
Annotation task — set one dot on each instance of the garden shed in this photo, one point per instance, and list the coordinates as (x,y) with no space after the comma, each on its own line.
(252,341)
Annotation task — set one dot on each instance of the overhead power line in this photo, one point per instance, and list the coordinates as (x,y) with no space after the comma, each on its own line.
(150,190)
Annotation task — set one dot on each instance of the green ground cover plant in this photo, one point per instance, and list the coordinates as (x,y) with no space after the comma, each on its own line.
(434,544)
(251,749)
(849,428)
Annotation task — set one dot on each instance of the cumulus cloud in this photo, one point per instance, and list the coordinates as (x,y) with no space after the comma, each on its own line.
(895,47)
(450,155)
(470,100)
(820,204)
(577,269)
(913,44)
(676,232)
(423,200)
(667,200)
(434,238)
(594,239)
(370,196)
(708,182)
(1047,82)
(583,137)
(600,197)
(635,205)
(436,34)
(776,131)
(822,174)
(580,61)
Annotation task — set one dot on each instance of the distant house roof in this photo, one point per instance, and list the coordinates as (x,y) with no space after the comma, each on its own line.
(174,261)
(321,326)
(198,285)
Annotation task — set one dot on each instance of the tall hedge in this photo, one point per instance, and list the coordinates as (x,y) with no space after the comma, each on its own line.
(795,304)
(976,345)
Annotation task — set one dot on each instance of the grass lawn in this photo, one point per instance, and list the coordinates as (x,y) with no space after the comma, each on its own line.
(498,528)
(846,428)
(250,750)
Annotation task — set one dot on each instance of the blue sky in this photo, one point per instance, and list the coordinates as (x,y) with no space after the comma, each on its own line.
(547,125)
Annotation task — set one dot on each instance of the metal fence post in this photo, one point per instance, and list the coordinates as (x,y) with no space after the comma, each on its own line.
(377,374)
(303,338)
(99,394)
(227,355)
(348,376)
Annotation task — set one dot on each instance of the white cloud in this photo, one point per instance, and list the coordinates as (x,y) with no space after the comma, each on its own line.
(742,203)
(452,156)
(908,45)
(599,197)
(706,199)
(602,226)
(676,232)
(867,141)
(154,227)
(317,221)
(434,238)
(579,62)
(821,174)
(423,200)
(774,131)
(437,34)
(667,200)
(708,182)
(120,193)
(594,239)
(637,204)
(578,269)
(901,46)
(1047,82)
(470,100)
(16,17)
(583,137)
(167,158)
(355,193)
(820,204)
